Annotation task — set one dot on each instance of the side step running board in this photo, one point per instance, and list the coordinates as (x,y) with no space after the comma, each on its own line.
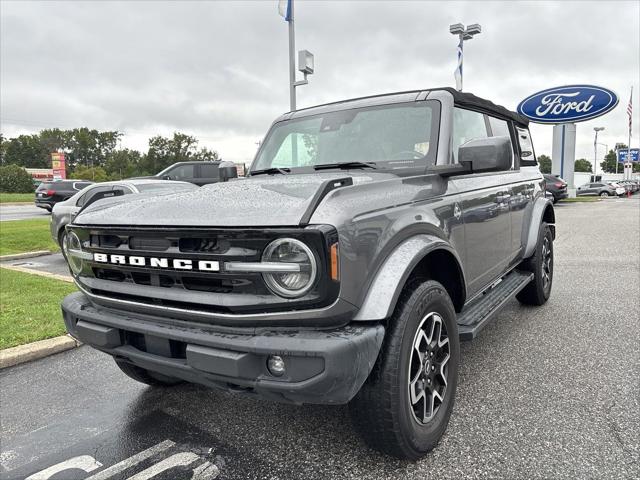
(477,315)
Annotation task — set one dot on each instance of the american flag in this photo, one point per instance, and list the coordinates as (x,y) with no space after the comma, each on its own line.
(458,73)
(630,110)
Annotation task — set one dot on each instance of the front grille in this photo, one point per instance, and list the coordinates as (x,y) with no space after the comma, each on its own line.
(214,290)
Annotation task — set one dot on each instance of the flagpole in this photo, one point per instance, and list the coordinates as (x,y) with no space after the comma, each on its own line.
(625,170)
(292,58)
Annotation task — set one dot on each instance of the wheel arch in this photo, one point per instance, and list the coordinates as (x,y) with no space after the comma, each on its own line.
(543,211)
(421,255)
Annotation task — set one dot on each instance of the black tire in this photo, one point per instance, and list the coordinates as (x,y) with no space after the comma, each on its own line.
(604,194)
(382,411)
(62,235)
(537,292)
(145,376)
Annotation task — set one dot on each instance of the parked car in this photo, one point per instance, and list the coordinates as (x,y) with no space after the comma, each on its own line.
(599,189)
(64,212)
(198,173)
(556,186)
(50,193)
(343,272)
(620,189)
(629,185)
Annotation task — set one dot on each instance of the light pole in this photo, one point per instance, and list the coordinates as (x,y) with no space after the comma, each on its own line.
(463,34)
(305,58)
(606,151)
(595,151)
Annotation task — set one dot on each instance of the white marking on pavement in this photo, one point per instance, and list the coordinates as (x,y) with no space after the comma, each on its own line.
(178,460)
(83,462)
(206,471)
(131,461)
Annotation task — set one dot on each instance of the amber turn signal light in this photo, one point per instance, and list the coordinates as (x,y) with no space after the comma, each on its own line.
(335,272)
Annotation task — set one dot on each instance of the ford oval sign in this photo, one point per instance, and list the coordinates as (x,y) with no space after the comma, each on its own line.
(569,104)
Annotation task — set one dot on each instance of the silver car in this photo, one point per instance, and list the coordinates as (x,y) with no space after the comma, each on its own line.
(63,213)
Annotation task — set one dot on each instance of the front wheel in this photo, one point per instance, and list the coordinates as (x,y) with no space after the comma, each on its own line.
(537,292)
(404,407)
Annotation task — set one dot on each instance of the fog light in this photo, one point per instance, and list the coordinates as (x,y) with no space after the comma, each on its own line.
(275,364)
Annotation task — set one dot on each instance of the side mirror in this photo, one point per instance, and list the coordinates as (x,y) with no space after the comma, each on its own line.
(486,154)
(227,171)
(166,177)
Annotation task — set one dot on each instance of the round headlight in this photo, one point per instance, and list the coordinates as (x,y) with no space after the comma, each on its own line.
(73,250)
(294,255)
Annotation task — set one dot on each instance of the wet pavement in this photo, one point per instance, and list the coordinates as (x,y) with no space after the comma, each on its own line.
(22,212)
(548,392)
(53,263)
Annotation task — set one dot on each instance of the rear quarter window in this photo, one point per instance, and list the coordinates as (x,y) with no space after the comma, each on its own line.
(527,154)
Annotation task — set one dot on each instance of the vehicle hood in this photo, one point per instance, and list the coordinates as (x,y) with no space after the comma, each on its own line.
(266,200)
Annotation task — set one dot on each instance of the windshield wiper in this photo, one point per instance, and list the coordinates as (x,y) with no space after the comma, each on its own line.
(271,171)
(345,165)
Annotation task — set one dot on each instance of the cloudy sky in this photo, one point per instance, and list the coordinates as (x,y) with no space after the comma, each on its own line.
(218,70)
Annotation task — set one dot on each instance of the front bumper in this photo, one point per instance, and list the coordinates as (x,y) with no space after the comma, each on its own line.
(322,366)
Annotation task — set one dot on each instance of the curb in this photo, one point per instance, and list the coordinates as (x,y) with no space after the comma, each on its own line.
(40,273)
(33,351)
(12,204)
(20,256)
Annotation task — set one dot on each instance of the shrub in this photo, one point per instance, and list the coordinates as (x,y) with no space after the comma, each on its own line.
(15,179)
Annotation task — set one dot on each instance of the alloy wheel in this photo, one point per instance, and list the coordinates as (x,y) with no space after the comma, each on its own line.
(428,370)
(547,265)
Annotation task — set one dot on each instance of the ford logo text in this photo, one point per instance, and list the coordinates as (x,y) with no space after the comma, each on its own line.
(572,103)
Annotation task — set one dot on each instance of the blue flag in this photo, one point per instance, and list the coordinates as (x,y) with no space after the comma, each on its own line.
(284,9)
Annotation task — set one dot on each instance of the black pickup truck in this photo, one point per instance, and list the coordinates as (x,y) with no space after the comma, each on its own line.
(370,238)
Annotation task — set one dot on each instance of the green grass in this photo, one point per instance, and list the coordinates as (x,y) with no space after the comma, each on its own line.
(17,197)
(580,199)
(30,307)
(18,236)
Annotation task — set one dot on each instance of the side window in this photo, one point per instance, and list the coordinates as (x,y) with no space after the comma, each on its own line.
(500,128)
(527,155)
(467,125)
(125,190)
(91,194)
(209,171)
(182,172)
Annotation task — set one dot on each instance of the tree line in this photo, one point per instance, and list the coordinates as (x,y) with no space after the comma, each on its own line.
(608,165)
(93,155)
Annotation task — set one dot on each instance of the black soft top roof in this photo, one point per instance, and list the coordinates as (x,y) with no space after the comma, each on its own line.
(461,99)
(469,100)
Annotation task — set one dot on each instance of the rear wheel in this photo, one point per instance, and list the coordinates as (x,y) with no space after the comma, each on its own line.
(604,194)
(404,407)
(145,376)
(537,292)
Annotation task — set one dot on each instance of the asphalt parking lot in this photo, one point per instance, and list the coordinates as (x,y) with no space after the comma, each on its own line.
(21,212)
(550,392)
(53,263)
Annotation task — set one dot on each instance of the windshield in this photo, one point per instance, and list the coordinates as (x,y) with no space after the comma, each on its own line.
(400,136)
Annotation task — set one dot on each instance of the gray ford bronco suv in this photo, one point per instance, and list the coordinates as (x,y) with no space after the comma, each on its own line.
(370,237)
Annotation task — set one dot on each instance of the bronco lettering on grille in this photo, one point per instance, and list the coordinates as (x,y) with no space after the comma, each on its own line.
(155,262)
